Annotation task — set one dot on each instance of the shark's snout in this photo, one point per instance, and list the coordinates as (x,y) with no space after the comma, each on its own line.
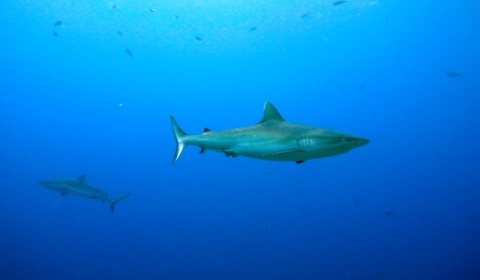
(43,183)
(361,142)
(354,142)
(47,183)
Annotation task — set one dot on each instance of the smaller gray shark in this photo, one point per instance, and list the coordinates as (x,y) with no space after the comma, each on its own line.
(271,139)
(79,187)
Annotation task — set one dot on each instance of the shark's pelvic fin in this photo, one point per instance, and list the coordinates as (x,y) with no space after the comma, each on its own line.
(115,200)
(179,137)
(271,114)
(82,178)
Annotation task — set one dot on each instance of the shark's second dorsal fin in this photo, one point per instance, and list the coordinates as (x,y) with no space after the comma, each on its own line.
(82,178)
(270,113)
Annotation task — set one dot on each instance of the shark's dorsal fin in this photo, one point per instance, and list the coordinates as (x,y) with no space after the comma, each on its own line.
(271,114)
(82,178)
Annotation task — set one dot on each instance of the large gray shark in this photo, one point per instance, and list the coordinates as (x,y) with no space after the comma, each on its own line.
(79,187)
(271,139)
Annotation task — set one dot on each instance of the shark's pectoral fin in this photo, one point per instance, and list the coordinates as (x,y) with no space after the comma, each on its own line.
(299,161)
(202,150)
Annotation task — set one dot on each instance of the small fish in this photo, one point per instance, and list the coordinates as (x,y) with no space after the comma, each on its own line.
(336,3)
(176,16)
(55,33)
(357,200)
(453,74)
(198,38)
(58,23)
(129,52)
(362,86)
(304,15)
(389,213)
(253,28)
(119,33)
(152,10)
(114,6)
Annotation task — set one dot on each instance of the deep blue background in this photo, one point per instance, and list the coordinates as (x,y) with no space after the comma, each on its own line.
(77,103)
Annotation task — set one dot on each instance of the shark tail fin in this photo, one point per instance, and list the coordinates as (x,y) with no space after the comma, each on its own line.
(179,138)
(115,200)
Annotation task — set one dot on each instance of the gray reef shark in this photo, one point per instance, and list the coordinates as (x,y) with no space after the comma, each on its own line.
(271,139)
(79,187)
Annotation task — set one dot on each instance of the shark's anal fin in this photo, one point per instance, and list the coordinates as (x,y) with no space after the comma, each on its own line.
(230,154)
(299,161)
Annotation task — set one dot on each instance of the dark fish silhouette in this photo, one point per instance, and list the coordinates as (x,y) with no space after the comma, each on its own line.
(120,33)
(336,3)
(253,28)
(357,200)
(176,16)
(389,213)
(55,33)
(198,38)
(57,23)
(152,10)
(453,74)
(362,86)
(304,15)
(114,6)
(79,187)
(129,52)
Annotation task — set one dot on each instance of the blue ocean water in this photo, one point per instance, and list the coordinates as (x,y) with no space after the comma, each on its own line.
(87,87)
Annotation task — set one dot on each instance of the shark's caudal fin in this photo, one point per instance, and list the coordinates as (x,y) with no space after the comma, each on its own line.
(115,200)
(271,114)
(179,137)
